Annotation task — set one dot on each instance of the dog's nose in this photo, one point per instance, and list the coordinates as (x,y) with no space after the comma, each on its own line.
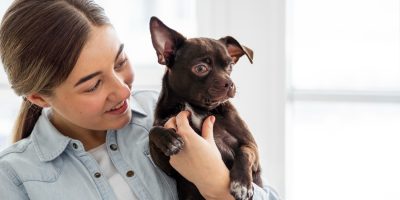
(229,84)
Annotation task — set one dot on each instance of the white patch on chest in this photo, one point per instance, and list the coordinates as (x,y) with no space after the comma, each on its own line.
(196,118)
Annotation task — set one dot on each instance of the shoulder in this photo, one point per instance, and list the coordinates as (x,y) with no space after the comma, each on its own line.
(143,103)
(16,149)
(146,99)
(18,155)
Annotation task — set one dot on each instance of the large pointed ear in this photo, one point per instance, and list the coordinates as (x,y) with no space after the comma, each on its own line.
(165,41)
(236,50)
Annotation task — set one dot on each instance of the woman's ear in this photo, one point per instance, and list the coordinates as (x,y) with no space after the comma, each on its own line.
(38,100)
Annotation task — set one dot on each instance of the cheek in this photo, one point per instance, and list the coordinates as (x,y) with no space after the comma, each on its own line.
(83,108)
(91,107)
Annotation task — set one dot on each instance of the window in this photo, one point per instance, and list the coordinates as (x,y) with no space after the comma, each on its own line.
(344,63)
(131,20)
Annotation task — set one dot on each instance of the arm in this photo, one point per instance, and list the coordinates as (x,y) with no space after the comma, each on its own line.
(201,163)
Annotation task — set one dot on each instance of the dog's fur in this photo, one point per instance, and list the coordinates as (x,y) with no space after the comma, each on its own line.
(197,78)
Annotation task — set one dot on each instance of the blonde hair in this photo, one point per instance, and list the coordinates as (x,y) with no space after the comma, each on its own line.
(40,42)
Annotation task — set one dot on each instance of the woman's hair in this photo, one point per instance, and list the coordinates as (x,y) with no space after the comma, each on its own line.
(40,42)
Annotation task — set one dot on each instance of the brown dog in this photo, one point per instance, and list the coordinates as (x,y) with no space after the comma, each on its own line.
(198,79)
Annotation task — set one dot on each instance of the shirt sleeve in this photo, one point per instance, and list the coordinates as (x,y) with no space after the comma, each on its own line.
(9,187)
(265,193)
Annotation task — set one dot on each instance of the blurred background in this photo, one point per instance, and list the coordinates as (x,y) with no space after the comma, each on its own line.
(322,97)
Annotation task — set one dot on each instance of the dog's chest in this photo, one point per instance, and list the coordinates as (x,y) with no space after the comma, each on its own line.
(196,118)
(224,140)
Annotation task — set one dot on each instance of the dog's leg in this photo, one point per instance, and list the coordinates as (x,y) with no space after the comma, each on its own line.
(241,174)
(164,142)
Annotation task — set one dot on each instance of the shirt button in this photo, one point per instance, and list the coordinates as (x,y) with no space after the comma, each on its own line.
(75,145)
(130,173)
(113,147)
(97,175)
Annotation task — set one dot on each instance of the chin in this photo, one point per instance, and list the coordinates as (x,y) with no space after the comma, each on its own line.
(122,121)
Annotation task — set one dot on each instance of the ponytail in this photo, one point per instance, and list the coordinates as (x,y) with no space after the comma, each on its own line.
(28,115)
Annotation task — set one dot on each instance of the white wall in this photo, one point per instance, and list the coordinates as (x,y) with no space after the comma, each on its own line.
(258,24)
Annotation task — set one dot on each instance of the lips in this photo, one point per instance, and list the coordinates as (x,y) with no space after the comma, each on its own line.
(119,108)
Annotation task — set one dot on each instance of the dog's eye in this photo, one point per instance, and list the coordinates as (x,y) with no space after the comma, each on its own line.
(200,69)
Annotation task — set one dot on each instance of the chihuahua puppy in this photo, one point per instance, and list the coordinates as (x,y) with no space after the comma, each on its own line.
(197,78)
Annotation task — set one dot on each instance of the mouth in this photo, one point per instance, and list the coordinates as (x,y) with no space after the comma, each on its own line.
(119,108)
(213,103)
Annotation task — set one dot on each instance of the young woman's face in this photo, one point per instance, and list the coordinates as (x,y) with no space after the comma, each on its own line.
(96,94)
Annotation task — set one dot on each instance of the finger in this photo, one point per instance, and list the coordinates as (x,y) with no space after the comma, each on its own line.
(182,121)
(171,123)
(208,128)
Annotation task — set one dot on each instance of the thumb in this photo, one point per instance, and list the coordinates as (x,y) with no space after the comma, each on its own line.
(207,130)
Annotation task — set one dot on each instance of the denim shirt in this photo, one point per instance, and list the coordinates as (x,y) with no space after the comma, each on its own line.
(49,165)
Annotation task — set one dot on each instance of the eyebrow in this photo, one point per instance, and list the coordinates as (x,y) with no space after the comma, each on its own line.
(90,76)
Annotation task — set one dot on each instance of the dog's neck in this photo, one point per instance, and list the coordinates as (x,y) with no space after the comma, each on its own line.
(196,117)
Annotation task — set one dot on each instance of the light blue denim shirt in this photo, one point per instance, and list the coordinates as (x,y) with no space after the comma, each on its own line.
(49,165)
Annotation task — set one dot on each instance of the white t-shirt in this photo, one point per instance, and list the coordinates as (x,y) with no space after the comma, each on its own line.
(117,182)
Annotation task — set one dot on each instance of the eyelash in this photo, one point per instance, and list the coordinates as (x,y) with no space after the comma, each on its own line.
(92,89)
(117,67)
(120,64)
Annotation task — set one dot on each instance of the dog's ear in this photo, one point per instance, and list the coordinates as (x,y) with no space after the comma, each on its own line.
(236,50)
(165,41)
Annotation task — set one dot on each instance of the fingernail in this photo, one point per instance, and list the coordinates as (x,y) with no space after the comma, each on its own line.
(212,119)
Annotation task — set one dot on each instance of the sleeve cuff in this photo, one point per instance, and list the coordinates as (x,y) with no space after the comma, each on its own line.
(265,193)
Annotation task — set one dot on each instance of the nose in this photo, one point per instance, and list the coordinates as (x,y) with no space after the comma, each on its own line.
(119,89)
(223,83)
(228,84)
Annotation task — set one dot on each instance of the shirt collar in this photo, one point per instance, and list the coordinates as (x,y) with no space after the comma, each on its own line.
(48,142)
(137,108)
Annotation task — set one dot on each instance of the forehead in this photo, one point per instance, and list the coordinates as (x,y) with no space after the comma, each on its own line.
(98,52)
(200,47)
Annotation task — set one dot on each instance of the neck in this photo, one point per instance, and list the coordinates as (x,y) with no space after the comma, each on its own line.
(89,138)
(196,117)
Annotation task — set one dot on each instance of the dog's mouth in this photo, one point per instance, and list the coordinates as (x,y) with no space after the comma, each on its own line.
(213,98)
(207,104)
(211,103)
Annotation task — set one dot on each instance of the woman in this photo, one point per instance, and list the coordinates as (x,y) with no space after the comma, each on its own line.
(77,136)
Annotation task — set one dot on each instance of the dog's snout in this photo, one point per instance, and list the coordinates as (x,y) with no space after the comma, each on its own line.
(224,83)
(229,84)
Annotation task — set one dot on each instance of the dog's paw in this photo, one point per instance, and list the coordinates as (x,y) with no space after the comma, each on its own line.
(171,143)
(241,191)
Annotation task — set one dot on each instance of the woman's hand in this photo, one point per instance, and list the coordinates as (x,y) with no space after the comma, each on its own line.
(200,161)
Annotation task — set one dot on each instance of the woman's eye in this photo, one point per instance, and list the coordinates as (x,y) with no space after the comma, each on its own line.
(92,89)
(120,64)
(200,69)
